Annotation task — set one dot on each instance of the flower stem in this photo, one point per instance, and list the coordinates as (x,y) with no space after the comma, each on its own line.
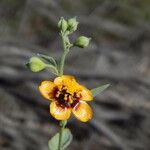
(62,63)
(62,126)
(54,69)
(66,50)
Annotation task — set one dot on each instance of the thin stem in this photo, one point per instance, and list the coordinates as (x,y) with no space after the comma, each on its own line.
(66,49)
(62,126)
(62,63)
(52,67)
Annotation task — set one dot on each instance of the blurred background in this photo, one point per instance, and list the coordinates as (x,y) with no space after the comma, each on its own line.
(119,54)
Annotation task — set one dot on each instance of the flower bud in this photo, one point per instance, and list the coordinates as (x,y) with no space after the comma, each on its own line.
(35,64)
(72,24)
(82,41)
(62,24)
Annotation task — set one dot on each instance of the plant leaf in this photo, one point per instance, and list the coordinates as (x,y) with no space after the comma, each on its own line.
(66,140)
(48,59)
(99,89)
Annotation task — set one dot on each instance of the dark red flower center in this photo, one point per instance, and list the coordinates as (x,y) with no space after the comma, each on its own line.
(66,99)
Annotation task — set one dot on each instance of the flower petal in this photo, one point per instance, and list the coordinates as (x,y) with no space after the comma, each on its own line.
(82,111)
(47,89)
(58,112)
(86,94)
(63,79)
(69,82)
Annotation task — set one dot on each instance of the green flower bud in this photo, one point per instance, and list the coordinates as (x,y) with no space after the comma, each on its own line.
(35,64)
(72,25)
(62,24)
(82,41)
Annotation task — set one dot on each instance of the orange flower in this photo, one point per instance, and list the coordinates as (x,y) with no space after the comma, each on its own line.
(67,96)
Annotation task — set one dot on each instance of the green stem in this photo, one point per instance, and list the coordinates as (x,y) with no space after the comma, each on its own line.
(62,63)
(66,49)
(62,126)
(52,67)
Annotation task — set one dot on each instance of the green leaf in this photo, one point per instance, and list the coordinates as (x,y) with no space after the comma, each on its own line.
(48,59)
(66,140)
(99,89)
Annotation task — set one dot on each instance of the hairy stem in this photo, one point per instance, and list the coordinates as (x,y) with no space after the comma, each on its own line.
(65,49)
(54,69)
(62,126)
(62,63)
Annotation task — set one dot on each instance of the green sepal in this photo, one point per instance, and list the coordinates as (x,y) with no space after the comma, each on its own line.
(66,140)
(62,24)
(48,59)
(82,41)
(99,89)
(35,64)
(72,25)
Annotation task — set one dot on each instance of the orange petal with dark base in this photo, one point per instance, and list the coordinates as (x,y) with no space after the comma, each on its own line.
(63,79)
(86,94)
(82,111)
(47,89)
(58,112)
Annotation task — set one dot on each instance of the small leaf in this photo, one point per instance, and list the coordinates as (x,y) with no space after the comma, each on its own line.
(99,89)
(66,140)
(48,59)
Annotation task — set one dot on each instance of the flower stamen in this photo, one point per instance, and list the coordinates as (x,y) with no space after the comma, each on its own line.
(65,97)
